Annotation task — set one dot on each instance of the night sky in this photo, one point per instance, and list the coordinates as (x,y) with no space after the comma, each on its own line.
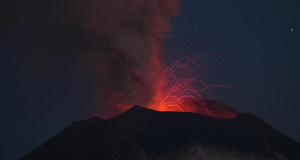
(258,40)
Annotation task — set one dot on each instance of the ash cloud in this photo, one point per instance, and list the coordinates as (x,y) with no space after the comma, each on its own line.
(121,41)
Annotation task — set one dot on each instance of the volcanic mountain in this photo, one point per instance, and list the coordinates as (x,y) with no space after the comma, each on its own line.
(141,133)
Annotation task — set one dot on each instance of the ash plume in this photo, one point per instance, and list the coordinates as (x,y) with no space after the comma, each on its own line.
(121,41)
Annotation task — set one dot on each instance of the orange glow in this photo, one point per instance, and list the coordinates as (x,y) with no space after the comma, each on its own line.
(179,93)
(184,91)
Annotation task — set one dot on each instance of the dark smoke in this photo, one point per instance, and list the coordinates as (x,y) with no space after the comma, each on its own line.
(121,41)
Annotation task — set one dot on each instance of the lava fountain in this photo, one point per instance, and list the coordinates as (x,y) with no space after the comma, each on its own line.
(184,91)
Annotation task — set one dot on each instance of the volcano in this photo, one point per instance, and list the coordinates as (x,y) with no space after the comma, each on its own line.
(141,133)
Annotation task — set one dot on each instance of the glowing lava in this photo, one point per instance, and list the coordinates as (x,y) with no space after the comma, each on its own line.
(184,92)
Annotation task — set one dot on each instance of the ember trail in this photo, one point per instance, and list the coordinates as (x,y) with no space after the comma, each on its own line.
(184,91)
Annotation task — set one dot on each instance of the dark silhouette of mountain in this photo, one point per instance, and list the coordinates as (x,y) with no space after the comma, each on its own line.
(140,133)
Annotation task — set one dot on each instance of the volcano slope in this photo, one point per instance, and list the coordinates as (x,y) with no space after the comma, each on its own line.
(140,133)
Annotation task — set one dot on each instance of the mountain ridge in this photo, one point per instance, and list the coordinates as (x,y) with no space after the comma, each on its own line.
(141,133)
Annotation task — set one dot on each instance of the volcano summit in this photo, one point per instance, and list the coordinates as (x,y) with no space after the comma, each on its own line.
(141,133)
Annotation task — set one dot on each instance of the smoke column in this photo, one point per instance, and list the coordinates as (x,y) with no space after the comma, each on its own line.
(121,42)
(128,67)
